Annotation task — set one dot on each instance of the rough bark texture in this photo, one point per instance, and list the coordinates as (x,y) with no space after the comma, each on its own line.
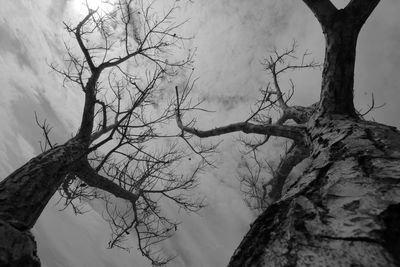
(294,156)
(23,196)
(338,72)
(17,248)
(25,192)
(343,211)
(341,28)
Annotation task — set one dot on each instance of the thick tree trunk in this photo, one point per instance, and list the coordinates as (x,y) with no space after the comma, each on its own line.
(25,192)
(23,196)
(338,72)
(344,210)
(341,28)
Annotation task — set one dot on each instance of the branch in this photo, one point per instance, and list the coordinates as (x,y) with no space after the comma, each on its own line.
(371,107)
(78,35)
(87,174)
(292,132)
(277,64)
(361,10)
(295,133)
(357,10)
(117,61)
(299,114)
(295,154)
(102,131)
(323,10)
(251,176)
(46,131)
(104,111)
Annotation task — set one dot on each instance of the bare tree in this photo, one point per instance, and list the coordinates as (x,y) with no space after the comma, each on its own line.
(344,209)
(122,62)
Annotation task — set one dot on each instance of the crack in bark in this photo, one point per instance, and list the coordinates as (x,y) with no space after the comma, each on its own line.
(252,247)
(352,239)
(312,190)
(377,144)
(17,248)
(391,234)
(296,154)
(366,166)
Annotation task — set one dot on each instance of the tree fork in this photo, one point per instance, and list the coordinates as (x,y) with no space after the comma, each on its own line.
(341,28)
(338,73)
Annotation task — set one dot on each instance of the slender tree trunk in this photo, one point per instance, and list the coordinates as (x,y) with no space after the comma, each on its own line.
(344,210)
(23,196)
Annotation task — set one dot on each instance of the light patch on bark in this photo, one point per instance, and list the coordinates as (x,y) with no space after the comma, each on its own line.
(342,211)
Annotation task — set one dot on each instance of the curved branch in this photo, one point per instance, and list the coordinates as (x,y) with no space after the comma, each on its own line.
(277,64)
(104,111)
(87,174)
(295,133)
(299,114)
(117,61)
(292,132)
(96,135)
(82,46)
(295,154)
(360,10)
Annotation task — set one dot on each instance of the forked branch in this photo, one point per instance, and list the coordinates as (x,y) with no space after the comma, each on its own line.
(295,133)
(357,11)
(258,193)
(88,175)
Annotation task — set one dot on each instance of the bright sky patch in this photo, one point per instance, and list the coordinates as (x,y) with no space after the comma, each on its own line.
(103,6)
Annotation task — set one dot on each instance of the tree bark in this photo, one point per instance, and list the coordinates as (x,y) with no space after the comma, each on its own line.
(341,28)
(23,196)
(17,248)
(25,192)
(296,154)
(343,211)
(338,72)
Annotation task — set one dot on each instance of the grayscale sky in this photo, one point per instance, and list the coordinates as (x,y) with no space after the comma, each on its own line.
(231,38)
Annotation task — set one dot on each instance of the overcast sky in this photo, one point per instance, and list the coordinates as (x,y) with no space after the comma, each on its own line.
(231,39)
